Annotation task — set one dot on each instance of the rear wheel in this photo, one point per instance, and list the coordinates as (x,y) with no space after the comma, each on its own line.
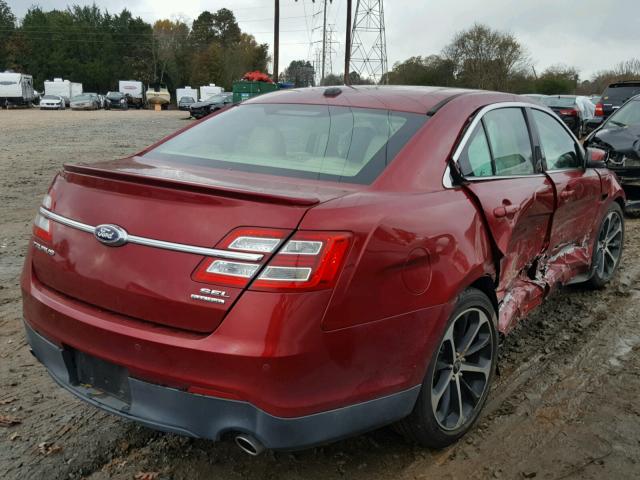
(608,249)
(457,382)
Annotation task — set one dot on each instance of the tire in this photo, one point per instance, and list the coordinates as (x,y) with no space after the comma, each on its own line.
(437,430)
(608,248)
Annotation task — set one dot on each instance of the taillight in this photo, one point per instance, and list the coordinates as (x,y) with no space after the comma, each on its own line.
(571,112)
(599,110)
(259,240)
(238,273)
(42,225)
(308,261)
(225,272)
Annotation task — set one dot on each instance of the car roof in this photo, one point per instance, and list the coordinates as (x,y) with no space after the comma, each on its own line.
(624,83)
(413,99)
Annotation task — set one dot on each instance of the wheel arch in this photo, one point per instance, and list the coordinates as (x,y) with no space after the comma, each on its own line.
(620,201)
(486,285)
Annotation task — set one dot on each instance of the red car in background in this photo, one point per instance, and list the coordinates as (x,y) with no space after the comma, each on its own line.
(316,263)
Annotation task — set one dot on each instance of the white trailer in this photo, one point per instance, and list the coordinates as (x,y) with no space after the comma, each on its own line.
(209,90)
(76,89)
(59,87)
(15,89)
(186,92)
(134,90)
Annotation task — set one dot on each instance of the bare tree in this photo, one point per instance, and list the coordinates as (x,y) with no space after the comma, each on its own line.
(485,58)
(627,70)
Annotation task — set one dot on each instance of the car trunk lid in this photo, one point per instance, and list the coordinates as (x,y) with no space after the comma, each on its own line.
(153,281)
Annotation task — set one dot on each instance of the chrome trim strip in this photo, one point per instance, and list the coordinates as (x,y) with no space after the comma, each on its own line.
(66,221)
(150,242)
(503,177)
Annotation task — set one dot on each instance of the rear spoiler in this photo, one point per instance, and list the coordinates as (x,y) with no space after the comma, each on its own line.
(210,189)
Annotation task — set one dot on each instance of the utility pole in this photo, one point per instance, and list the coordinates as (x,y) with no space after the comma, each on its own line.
(276,40)
(347,47)
(324,41)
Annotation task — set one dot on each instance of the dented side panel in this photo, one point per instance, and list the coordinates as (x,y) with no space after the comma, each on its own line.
(567,258)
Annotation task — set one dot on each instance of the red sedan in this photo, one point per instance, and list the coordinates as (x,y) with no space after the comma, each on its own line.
(316,263)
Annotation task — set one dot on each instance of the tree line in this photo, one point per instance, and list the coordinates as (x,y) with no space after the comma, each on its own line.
(97,48)
(481,57)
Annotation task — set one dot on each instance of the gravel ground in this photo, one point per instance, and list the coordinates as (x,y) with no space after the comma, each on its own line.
(563,407)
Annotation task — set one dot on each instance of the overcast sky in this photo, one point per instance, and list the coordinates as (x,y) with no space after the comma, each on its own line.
(580,33)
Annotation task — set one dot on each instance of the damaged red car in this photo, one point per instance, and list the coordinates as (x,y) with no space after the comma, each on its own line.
(312,264)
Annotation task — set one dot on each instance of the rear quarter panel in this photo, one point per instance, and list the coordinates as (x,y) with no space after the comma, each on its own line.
(410,252)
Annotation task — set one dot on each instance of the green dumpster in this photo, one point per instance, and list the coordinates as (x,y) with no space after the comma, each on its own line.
(243,90)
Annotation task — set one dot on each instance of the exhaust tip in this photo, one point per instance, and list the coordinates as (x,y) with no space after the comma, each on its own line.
(249,445)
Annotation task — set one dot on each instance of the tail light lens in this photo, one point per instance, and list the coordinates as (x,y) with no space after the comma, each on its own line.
(238,273)
(42,225)
(42,228)
(599,110)
(571,112)
(307,261)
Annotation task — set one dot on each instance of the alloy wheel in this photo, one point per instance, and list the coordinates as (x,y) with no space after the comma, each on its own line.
(463,369)
(609,245)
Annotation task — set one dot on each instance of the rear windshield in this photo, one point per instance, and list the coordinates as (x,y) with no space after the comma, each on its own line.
(114,95)
(339,144)
(619,95)
(558,101)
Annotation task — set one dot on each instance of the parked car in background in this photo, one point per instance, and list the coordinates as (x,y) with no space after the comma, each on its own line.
(569,109)
(211,104)
(619,136)
(116,100)
(186,91)
(52,102)
(316,263)
(62,88)
(534,96)
(614,96)
(185,103)
(86,101)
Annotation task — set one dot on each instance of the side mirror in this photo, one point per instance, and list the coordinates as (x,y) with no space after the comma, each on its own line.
(595,158)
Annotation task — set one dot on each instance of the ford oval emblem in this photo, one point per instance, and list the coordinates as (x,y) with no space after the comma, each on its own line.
(111,235)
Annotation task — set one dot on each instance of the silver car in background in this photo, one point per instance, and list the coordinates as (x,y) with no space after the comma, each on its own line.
(52,102)
(86,101)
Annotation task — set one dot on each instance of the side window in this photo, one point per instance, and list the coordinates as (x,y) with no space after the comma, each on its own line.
(475,161)
(558,146)
(509,140)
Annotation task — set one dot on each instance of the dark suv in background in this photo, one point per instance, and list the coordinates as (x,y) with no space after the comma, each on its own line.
(210,105)
(613,97)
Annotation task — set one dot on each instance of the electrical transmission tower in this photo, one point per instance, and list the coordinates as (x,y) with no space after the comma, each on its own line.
(369,40)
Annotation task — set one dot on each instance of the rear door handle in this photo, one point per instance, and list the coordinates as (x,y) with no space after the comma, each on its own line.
(506,211)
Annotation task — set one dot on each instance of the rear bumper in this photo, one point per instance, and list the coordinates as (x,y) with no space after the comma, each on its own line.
(200,416)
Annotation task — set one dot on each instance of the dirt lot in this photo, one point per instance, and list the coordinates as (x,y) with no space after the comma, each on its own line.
(565,405)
